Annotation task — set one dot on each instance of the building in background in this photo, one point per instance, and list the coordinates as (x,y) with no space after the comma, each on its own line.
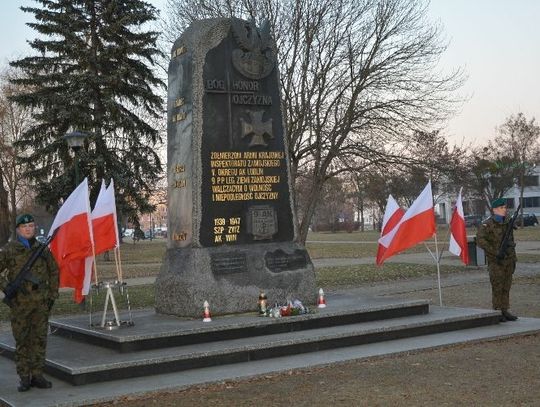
(476,207)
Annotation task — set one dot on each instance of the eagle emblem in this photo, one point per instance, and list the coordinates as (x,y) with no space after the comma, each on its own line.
(255,57)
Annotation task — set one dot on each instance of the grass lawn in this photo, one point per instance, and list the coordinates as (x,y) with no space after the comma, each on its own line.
(144,251)
(140,297)
(353,276)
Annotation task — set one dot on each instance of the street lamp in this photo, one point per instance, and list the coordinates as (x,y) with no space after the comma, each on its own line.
(75,140)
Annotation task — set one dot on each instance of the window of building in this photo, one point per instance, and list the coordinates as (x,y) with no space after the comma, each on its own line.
(531,202)
(531,180)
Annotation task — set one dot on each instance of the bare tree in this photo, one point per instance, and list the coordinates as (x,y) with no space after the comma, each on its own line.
(331,210)
(358,185)
(491,175)
(357,77)
(518,139)
(14,120)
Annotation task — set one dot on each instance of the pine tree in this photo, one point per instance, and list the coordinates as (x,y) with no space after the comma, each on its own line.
(93,73)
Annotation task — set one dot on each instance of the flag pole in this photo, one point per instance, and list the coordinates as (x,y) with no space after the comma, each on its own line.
(438,269)
(95,265)
(118,259)
(116,264)
(437,259)
(91,231)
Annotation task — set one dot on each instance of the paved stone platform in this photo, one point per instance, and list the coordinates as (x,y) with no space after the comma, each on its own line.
(64,394)
(350,338)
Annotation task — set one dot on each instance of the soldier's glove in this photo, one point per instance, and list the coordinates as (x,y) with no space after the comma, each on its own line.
(50,304)
(501,257)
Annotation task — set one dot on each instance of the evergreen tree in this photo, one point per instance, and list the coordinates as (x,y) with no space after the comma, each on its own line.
(93,73)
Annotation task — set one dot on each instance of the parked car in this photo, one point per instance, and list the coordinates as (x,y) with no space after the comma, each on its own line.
(529,219)
(472,220)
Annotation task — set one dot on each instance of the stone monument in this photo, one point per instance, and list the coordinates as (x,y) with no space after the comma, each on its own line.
(231,231)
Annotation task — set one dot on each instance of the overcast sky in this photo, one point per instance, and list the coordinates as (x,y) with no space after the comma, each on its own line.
(497,42)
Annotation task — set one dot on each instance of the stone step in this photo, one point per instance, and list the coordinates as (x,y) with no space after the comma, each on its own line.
(80,363)
(152,331)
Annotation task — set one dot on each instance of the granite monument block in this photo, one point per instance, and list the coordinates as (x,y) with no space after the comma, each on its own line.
(231,218)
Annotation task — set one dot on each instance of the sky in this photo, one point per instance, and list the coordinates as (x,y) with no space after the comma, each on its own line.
(496,43)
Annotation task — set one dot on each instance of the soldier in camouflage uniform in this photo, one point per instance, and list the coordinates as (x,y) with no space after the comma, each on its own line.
(31,307)
(489,237)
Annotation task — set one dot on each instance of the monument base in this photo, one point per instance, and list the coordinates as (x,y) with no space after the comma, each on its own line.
(231,277)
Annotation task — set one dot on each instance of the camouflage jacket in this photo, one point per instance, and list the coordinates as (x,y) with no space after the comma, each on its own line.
(489,237)
(13,256)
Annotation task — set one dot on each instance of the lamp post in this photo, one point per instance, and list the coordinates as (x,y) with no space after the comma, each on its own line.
(75,140)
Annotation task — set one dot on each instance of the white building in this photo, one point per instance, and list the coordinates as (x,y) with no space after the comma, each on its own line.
(531,194)
(531,198)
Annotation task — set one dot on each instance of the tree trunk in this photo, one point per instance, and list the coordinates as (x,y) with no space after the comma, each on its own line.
(314,196)
(12,209)
(521,190)
(4,212)
(361,207)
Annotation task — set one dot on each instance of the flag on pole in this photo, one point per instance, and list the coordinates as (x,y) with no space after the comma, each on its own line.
(73,241)
(458,233)
(104,224)
(392,215)
(416,225)
(104,229)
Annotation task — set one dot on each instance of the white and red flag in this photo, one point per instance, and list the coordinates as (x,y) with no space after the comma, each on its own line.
(392,215)
(73,241)
(417,225)
(458,233)
(104,229)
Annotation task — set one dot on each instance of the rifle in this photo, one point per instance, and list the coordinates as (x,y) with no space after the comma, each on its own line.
(25,274)
(501,254)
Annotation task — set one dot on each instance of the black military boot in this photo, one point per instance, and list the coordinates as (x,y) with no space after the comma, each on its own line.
(40,382)
(24,384)
(508,316)
(502,318)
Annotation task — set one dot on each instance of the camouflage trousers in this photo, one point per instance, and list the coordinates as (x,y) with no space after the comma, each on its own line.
(29,324)
(500,277)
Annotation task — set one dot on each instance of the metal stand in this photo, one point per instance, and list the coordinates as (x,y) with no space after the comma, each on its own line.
(115,322)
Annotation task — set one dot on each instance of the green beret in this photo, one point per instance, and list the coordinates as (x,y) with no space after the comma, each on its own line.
(498,202)
(24,218)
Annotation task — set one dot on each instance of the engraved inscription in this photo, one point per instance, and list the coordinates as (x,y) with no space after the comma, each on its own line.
(228,263)
(179,117)
(178,168)
(180,183)
(179,102)
(262,222)
(226,230)
(243,176)
(179,236)
(279,261)
(179,51)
